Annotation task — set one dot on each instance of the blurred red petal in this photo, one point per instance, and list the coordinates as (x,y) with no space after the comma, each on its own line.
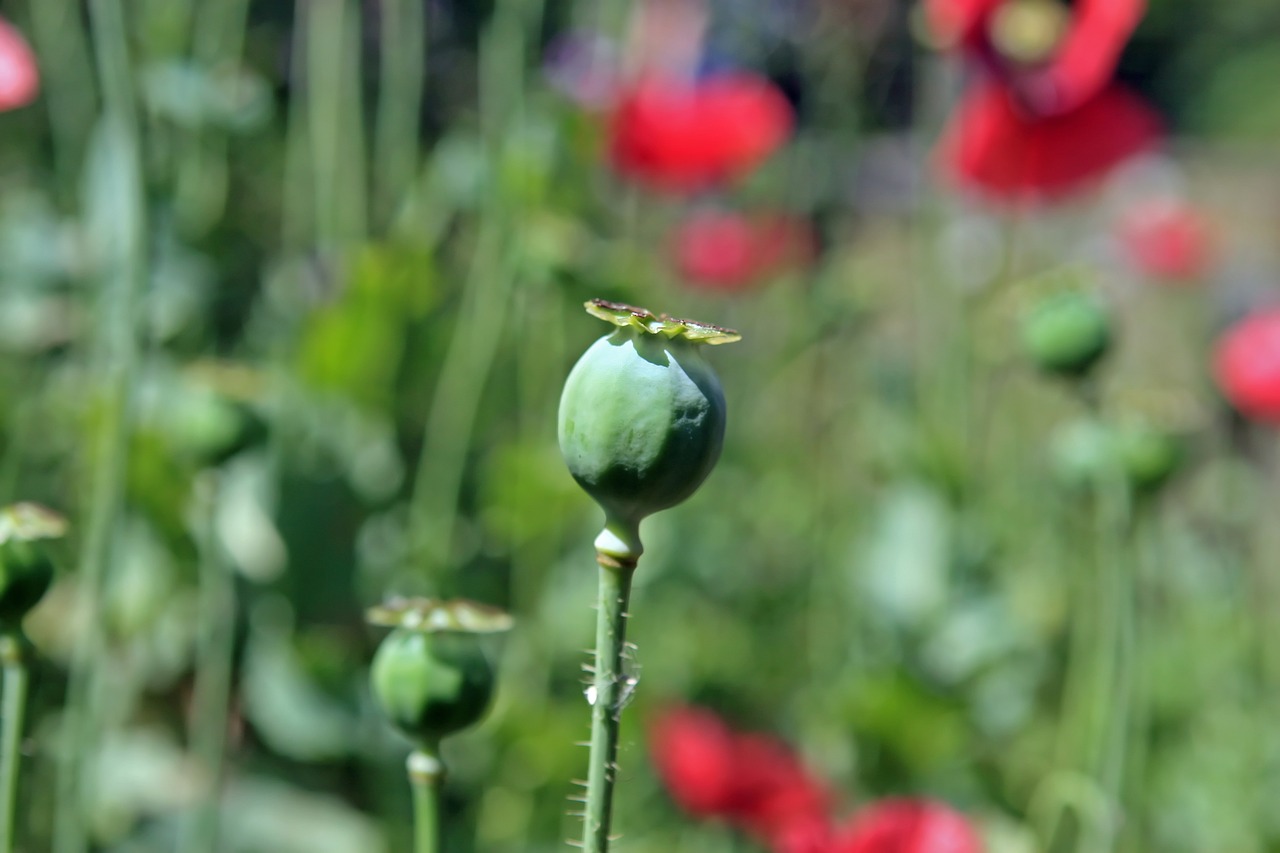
(730,252)
(776,791)
(1247,366)
(1086,60)
(685,137)
(783,242)
(752,781)
(1167,240)
(19,79)
(993,147)
(805,836)
(910,826)
(716,250)
(693,752)
(956,22)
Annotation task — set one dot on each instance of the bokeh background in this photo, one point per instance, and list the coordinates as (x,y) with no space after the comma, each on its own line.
(287,295)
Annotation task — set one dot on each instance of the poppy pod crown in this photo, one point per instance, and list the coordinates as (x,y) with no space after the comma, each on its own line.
(430,676)
(642,418)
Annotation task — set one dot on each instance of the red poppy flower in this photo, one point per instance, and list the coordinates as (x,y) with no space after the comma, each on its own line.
(751,781)
(910,826)
(1247,366)
(19,79)
(729,252)
(1084,62)
(683,136)
(1053,72)
(1049,121)
(1166,240)
(993,146)
(807,836)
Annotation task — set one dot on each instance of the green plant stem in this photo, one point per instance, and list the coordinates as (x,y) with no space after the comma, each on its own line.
(15,703)
(214,653)
(396,144)
(124,276)
(606,709)
(1112,683)
(426,773)
(486,299)
(455,403)
(66,79)
(1098,713)
(296,215)
(200,192)
(335,122)
(1147,557)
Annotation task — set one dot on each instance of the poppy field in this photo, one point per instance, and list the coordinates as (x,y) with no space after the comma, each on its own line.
(797,426)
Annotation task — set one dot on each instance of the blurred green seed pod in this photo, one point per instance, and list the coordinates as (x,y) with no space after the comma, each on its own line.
(430,675)
(431,685)
(26,564)
(1150,455)
(642,418)
(1067,333)
(1083,454)
(1088,454)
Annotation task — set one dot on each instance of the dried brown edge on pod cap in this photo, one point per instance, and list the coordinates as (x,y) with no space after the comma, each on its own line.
(28,522)
(623,315)
(431,615)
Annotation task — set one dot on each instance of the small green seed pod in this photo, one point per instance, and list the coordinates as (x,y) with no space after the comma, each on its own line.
(1150,455)
(430,675)
(431,685)
(1067,334)
(642,418)
(26,566)
(1083,454)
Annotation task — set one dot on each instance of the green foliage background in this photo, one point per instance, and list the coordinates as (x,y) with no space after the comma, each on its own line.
(290,339)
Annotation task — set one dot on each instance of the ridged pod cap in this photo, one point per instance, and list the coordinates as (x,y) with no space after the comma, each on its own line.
(642,418)
(26,566)
(430,676)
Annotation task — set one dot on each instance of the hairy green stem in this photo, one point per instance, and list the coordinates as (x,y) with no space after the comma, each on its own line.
(426,773)
(15,703)
(607,702)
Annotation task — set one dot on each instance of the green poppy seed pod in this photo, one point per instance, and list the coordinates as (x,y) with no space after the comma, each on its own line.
(26,566)
(1083,454)
(1067,334)
(1150,455)
(430,676)
(431,685)
(642,418)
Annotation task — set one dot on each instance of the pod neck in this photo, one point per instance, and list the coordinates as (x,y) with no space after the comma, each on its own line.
(620,541)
